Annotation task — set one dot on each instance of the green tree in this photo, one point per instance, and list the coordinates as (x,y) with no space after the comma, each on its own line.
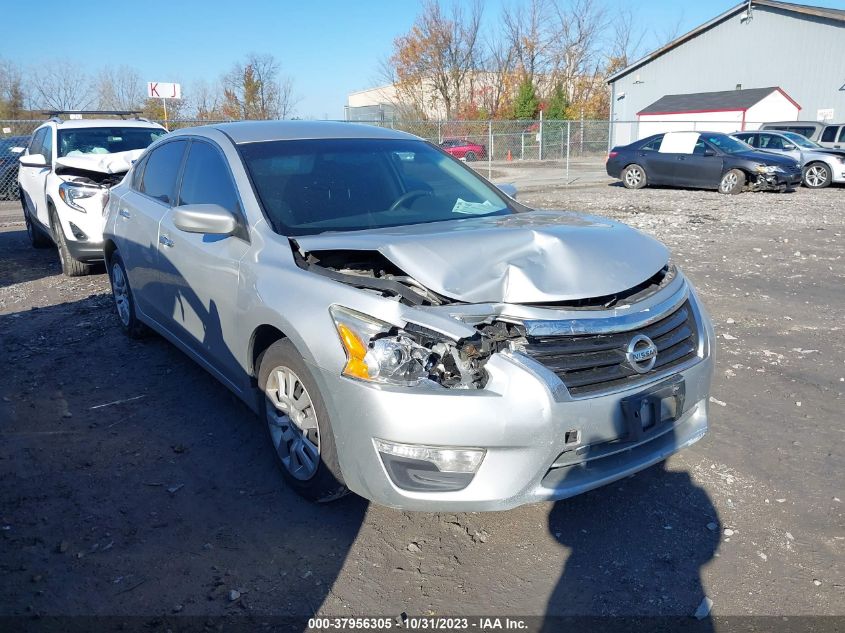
(526,104)
(558,104)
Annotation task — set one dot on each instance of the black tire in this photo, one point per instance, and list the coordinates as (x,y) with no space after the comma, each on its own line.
(470,157)
(126,315)
(817,175)
(634,177)
(36,236)
(70,267)
(732,182)
(326,482)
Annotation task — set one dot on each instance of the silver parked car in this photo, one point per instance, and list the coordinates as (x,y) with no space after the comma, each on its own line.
(408,331)
(819,166)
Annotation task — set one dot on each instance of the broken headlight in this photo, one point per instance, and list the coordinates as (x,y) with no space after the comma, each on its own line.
(379,352)
(769,169)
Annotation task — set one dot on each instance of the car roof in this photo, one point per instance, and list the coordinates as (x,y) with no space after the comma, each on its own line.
(255,131)
(83,123)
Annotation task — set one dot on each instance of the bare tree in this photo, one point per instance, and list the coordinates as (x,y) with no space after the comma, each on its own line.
(253,89)
(205,101)
(62,85)
(12,95)
(576,46)
(529,38)
(434,63)
(119,89)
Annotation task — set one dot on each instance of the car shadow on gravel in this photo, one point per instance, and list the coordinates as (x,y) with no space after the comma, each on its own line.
(145,486)
(637,548)
(21,262)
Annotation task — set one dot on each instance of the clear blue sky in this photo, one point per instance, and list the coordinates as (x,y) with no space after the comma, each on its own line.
(328,47)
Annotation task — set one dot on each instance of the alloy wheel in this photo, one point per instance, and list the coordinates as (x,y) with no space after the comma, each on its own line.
(292,421)
(729,182)
(633,177)
(120,290)
(816,176)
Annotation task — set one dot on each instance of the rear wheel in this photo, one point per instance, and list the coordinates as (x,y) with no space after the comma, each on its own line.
(70,267)
(634,177)
(298,424)
(817,176)
(732,182)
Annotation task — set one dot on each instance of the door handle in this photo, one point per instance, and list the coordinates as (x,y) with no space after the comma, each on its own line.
(124,214)
(164,240)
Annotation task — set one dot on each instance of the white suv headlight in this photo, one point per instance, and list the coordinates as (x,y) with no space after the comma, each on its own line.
(70,193)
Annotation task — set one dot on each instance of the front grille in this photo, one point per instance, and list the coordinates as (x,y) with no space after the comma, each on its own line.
(591,363)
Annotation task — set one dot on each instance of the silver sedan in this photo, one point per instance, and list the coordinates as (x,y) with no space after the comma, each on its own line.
(820,166)
(407,330)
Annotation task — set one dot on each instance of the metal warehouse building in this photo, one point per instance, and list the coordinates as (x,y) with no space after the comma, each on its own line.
(756,44)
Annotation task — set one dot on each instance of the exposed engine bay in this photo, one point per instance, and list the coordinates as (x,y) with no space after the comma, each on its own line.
(453,364)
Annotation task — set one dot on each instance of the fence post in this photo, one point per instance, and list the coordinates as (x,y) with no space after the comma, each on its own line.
(489,149)
(540,150)
(568,143)
(582,133)
(522,146)
(439,131)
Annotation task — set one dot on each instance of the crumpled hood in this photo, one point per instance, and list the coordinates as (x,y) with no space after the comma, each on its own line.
(533,257)
(116,163)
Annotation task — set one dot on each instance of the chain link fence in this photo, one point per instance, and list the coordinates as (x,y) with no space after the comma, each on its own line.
(496,143)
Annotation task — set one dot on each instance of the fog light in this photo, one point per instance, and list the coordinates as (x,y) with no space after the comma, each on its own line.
(429,468)
(78,233)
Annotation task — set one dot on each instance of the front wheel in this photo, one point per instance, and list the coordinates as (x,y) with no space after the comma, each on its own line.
(634,177)
(70,267)
(470,157)
(298,424)
(36,236)
(732,182)
(817,176)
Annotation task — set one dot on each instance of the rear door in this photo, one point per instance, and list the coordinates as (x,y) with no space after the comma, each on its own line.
(199,273)
(152,192)
(659,168)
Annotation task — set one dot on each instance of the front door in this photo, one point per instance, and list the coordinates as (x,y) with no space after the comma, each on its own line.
(199,274)
(702,168)
(33,180)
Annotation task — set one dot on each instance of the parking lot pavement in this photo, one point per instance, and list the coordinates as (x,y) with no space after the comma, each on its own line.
(132,483)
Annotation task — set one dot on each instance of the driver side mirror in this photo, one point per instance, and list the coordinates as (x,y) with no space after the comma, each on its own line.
(709,152)
(209,219)
(33,160)
(788,147)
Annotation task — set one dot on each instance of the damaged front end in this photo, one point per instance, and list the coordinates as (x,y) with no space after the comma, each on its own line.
(416,354)
(87,179)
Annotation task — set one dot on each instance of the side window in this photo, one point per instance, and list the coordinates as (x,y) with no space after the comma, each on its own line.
(161,171)
(37,141)
(829,134)
(138,173)
(842,134)
(751,139)
(47,147)
(207,180)
(654,144)
(769,141)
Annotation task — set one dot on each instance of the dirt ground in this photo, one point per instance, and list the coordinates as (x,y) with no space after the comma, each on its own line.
(132,483)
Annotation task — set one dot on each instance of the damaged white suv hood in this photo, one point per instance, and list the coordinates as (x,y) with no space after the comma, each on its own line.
(534,257)
(116,163)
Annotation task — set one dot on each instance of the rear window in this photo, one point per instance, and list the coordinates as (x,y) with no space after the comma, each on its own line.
(105,140)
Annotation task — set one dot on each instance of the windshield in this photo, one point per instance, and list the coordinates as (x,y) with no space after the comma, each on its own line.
(312,186)
(801,141)
(727,144)
(105,140)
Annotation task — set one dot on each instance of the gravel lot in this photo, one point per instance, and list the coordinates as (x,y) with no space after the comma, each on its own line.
(169,501)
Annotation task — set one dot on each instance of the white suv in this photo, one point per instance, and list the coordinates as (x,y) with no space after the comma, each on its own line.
(64,180)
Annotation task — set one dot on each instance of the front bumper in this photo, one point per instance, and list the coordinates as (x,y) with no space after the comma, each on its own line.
(520,418)
(779,180)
